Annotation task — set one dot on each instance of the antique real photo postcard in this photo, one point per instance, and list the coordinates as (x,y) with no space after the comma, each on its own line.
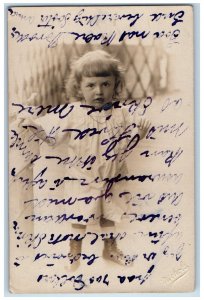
(101,149)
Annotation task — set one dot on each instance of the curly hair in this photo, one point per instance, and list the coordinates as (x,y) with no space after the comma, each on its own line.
(97,63)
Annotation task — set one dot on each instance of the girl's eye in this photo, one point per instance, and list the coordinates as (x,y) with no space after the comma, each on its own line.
(90,85)
(106,84)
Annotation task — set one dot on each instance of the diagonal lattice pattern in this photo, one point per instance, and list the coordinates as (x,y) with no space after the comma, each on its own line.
(45,70)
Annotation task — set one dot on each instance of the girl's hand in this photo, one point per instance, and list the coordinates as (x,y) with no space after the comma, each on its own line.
(143,127)
(35,128)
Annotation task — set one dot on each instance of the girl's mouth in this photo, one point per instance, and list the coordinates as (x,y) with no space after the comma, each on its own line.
(99,100)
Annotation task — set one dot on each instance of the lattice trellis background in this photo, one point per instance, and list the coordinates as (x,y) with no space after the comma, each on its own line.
(44,70)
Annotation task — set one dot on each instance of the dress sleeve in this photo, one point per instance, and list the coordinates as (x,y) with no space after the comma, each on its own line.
(132,117)
(51,127)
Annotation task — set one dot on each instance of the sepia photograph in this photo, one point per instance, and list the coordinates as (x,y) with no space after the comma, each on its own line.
(101,149)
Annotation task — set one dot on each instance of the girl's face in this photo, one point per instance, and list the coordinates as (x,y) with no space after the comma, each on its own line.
(98,91)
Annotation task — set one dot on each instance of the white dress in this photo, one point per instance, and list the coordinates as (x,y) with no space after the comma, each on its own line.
(88,185)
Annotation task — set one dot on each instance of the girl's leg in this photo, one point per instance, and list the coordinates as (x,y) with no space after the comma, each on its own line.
(76,246)
(111,250)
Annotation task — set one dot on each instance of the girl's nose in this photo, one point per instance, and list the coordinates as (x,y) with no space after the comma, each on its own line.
(98,90)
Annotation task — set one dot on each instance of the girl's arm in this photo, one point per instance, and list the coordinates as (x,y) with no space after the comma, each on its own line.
(35,127)
(47,128)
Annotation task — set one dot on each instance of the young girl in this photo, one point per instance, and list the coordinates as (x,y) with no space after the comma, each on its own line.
(101,130)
